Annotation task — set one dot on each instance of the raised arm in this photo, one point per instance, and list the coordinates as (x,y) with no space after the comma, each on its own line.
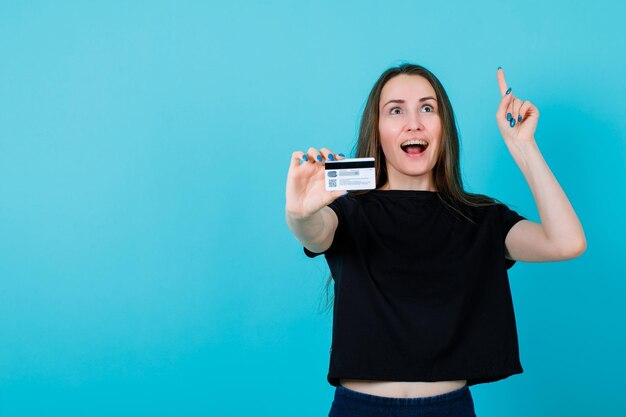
(560,235)
(311,222)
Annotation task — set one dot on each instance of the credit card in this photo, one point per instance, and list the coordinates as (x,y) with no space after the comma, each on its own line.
(350,174)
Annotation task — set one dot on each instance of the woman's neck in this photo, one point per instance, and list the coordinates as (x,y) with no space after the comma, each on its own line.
(415,184)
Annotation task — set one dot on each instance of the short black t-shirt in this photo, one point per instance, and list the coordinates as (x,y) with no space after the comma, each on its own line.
(421,293)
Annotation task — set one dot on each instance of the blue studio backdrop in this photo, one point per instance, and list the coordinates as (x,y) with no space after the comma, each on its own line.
(146,268)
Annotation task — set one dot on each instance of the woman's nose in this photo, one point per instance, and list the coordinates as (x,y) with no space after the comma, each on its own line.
(415,123)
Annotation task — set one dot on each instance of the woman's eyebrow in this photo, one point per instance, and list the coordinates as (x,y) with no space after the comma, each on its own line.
(403,101)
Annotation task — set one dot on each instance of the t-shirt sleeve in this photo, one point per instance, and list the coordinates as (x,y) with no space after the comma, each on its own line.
(337,206)
(508,219)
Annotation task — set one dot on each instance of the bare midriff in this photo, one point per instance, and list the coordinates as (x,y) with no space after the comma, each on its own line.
(401,389)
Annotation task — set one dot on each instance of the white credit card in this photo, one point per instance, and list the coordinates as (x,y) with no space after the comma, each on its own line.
(350,174)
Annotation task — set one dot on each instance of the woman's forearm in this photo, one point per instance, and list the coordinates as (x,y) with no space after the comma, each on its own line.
(558,218)
(310,231)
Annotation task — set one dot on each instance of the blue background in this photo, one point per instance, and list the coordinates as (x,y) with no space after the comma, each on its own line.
(145,264)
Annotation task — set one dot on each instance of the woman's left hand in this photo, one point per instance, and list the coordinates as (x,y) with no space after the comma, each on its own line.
(520,126)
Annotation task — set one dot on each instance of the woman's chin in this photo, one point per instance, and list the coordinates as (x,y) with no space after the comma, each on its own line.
(410,168)
(414,171)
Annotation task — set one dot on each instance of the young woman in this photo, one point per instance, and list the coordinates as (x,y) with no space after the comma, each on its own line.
(422,306)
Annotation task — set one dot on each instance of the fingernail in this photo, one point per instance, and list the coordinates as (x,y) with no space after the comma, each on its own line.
(331,157)
(499,68)
(508,91)
(512,122)
(508,117)
(304,158)
(519,118)
(319,158)
(342,155)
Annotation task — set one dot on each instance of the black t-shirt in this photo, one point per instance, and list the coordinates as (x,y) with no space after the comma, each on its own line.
(421,293)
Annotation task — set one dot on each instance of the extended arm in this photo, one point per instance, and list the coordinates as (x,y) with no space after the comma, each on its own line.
(315,232)
(560,235)
(307,216)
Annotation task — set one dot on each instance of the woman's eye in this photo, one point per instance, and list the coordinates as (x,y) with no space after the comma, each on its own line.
(393,111)
(429,107)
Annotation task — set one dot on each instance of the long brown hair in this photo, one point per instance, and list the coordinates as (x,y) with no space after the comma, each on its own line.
(447,169)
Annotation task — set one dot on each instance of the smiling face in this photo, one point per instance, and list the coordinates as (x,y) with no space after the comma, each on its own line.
(408,119)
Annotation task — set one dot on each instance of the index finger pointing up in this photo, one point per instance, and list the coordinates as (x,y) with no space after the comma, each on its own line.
(502,82)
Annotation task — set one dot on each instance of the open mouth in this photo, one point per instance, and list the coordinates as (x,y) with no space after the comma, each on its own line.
(414,146)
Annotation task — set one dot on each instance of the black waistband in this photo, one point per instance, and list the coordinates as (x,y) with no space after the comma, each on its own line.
(448,397)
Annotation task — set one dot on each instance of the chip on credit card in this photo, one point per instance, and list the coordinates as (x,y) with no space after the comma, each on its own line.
(350,174)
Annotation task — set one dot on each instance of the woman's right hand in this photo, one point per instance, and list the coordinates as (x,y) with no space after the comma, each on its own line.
(306,191)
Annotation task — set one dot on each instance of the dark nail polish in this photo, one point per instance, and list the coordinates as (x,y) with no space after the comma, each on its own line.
(341,155)
(508,91)
(319,158)
(512,122)
(304,158)
(519,118)
(499,68)
(331,157)
(508,117)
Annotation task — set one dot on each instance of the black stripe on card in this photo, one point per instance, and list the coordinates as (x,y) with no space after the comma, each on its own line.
(347,165)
